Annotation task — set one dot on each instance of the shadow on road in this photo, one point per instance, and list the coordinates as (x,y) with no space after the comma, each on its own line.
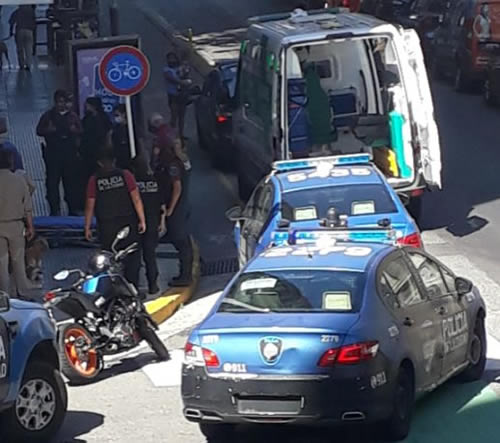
(77,424)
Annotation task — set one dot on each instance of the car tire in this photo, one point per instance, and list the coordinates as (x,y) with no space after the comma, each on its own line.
(477,354)
(202,143)
(488,94)
(460,83)
(397,427)
(76,374)
(217,432)
(16,421)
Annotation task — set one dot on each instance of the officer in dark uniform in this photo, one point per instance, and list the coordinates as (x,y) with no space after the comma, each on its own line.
(155,212)
(113,195)
(171,174)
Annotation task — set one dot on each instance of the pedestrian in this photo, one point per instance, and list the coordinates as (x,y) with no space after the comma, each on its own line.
(176,82)
(23,20)
(171,175)
(61,129)
(155,213)
(16,223)
(164,136)
(113,197)
(96,129)
(120,138)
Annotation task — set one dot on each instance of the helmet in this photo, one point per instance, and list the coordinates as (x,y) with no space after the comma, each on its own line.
(100,262)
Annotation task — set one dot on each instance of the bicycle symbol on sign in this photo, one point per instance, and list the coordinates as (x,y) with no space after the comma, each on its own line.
(120,70)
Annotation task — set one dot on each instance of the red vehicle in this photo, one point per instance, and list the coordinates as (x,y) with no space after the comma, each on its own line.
(462,45)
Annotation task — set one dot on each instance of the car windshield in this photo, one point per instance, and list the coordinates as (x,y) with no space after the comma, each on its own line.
(295,291)
(313,204)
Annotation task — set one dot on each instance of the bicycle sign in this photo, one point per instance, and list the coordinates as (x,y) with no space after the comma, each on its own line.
(124,70)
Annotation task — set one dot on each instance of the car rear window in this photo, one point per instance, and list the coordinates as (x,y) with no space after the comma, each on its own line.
(229,78)
(297,291)
(312,204)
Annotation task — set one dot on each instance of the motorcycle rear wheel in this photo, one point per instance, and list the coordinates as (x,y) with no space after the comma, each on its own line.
(80,367)
(148,334)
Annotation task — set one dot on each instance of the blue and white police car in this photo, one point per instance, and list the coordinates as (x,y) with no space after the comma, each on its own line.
(300,193)
(33,397)
(324,332)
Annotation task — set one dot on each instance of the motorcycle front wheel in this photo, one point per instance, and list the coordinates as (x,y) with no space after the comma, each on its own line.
(148,334)
(79,363)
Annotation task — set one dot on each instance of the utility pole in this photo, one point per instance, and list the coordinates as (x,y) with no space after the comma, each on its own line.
(114,18)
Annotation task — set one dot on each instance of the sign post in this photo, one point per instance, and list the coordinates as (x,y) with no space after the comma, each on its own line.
(125,71)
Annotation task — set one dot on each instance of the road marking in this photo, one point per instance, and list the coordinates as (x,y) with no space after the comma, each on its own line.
(166,374)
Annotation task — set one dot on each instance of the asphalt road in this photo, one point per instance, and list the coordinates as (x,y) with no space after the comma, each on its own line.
(140,401)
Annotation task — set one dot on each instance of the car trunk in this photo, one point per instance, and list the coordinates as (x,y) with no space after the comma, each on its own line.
(351,95)
(248,342)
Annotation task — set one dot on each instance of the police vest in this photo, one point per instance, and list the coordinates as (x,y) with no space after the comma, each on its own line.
(149,189)
(112,195)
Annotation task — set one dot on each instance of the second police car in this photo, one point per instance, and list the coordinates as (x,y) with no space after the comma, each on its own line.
(299,193)
(325,332)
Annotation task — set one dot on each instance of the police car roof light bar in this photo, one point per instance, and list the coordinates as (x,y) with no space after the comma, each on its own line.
(334,160)
(357,234)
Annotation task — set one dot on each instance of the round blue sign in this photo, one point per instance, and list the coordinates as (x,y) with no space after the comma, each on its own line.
(124,70)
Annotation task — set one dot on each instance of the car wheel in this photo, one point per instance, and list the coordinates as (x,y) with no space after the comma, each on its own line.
(488,94)
(461,83)
(217,432)
(202,143)
(477,354)
(40,406)
(397,426)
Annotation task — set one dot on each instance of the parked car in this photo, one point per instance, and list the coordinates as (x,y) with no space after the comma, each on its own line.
(299,194)
(33,397)
(460,46)
(214,113)
(329,333)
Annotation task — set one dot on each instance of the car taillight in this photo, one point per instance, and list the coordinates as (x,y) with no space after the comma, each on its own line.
(417,192)
(349,354)
(49,296)
(411,240)
(222,118)
(197,355)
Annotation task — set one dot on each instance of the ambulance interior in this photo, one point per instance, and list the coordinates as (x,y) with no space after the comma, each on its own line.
(346,96)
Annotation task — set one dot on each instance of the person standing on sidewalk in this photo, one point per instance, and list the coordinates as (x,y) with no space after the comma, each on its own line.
(176,86)
(15,220)
(171,174)
(96,128)
(155,213)
(23,19)
(113,196)
(61,129)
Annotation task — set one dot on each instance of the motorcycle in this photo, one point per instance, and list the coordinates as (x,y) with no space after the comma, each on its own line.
(107,315)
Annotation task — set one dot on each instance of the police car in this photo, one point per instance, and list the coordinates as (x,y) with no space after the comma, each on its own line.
(300,193)
(33,397)
(324,332)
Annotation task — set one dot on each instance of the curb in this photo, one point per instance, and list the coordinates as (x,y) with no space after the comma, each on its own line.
(167,304)
(179,41)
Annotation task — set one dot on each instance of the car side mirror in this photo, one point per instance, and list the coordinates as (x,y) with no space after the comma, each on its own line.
(463,286)
(234,214)
(4,302)
(283,223)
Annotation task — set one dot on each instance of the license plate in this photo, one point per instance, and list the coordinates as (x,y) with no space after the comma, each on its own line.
(268,406)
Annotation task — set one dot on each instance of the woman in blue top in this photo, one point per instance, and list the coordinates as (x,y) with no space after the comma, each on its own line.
(175,83)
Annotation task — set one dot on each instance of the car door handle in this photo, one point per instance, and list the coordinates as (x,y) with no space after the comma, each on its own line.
(441,310)
(408,321)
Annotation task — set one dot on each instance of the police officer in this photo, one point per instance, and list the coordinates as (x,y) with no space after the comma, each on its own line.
(113,195)
(155,212)
(171,174)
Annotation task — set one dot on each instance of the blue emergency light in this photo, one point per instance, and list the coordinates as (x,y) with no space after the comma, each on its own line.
(334,160)
(365,235)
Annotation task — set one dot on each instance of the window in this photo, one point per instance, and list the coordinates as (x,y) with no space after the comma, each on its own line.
(264,203)
(400,280)
(348,200)
(430,274)
(293,290)
(386,293)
